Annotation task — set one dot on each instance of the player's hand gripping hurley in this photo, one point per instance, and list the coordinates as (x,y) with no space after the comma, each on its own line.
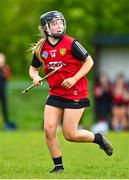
(49,74)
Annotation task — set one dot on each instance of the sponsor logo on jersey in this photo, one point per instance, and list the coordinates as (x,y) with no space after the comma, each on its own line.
(62,51)
(53,65)
(44,54)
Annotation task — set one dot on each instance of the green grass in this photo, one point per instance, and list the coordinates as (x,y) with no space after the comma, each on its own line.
(23,154)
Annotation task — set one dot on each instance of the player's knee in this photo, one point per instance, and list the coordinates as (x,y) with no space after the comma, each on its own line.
(49,132)
(69,136)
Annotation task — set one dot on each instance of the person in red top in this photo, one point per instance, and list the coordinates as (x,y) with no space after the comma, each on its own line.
(68,87)
(120,104)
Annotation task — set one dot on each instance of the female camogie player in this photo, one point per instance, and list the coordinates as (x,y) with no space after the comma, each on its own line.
(68,94)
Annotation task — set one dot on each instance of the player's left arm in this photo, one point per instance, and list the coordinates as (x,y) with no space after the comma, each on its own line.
(86,66)
(80,53)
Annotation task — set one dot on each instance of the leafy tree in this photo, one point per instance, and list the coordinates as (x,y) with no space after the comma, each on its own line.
(20,20)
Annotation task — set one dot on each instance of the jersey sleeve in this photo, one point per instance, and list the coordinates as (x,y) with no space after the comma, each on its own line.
(78,51)
(35,62)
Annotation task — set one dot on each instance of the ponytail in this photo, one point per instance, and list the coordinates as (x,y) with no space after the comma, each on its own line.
(37,47)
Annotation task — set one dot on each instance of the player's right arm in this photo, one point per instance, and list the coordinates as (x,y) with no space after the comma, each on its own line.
(34,69)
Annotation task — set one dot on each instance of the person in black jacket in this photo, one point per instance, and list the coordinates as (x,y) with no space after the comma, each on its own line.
(4,76)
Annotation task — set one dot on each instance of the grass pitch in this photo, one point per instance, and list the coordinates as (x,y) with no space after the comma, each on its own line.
(24,154)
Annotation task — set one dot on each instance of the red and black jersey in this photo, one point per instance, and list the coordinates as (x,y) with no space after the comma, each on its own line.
(69,53)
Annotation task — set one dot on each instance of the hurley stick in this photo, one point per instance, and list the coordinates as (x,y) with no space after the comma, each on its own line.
(49,74)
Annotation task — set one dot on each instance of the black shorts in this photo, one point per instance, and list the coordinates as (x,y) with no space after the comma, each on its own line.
(61,102)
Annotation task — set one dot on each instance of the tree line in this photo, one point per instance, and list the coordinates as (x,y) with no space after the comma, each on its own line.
(85,19)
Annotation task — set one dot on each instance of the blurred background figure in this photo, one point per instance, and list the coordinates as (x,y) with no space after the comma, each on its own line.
(103,99)
(4,76)
(120,103)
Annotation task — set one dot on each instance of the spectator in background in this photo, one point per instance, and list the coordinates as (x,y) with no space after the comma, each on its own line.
(120,101)
(103,99)
(127,97)
(4,76)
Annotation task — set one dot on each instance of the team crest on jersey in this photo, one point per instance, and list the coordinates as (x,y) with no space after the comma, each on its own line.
(44,54)
(62,51)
